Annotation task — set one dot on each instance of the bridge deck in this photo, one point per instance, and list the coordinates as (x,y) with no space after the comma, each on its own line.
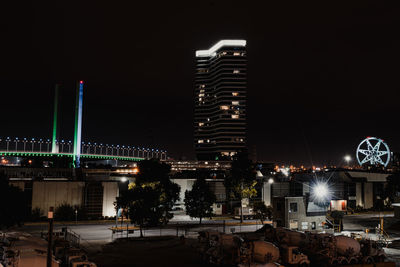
(87,156)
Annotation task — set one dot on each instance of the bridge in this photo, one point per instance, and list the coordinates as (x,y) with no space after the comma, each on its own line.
(75,149)
(25,147)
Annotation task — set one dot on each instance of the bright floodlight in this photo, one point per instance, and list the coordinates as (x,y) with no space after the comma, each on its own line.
(347,158)
(270,181)
(321,192)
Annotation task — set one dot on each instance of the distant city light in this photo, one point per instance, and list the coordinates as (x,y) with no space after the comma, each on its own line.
(285,171)
(347,158)
(270,181)
(123,179)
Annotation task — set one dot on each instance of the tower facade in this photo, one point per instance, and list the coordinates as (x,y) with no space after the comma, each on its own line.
(220,100)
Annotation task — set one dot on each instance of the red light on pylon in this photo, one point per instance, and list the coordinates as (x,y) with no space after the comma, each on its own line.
(80,82)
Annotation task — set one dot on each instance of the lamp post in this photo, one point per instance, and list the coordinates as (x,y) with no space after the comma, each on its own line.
(48,145)
(24,144)
(8,142)
(50,216)
(33,143)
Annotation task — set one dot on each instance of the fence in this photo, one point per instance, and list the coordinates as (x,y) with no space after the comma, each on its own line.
(186,229)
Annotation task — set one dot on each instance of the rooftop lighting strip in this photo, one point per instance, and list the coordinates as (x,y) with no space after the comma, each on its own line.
(210,52)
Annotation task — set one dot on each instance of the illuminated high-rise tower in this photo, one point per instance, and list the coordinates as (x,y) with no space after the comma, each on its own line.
(220,100)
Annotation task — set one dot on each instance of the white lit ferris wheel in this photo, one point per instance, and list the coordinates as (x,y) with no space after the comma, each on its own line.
(373,151)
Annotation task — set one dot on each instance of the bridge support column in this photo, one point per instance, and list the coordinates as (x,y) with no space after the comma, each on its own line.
(54,147)
(78,124)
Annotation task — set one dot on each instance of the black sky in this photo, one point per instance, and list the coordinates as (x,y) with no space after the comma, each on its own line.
(320,77)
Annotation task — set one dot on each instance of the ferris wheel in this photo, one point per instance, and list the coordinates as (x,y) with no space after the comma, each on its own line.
(373,151)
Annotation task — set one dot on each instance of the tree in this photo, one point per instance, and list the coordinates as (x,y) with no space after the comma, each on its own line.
(241,180)
(151,197)
(392,189)
(12,203)
(64,212)
(199,200)
(261,211)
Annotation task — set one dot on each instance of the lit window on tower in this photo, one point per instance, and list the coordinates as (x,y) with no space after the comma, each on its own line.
(235,103)
(200,141)
(235,93)
(235,116)
(224,107)
(236,71)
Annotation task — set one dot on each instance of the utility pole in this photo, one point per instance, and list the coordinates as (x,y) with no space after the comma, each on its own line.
(50,216)
(241,203)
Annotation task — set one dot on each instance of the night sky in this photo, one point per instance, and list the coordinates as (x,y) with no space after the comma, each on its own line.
(320,77)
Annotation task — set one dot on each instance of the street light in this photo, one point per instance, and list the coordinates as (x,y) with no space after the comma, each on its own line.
(270,180)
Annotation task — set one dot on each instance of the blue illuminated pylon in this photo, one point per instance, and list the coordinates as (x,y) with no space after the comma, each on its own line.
(78,124)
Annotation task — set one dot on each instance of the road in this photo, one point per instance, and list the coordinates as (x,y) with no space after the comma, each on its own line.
(94,235)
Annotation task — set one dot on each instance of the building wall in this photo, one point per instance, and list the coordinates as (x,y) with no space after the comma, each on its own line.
(297,220)
(20,185)
(266,194)
(368,195)
(53,194)
(185,184)
(110,193)
(359,196)
(280,189)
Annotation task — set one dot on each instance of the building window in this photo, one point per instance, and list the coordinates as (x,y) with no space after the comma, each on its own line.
(235,116)
(236,71)
(202,86)
(235,93)
(293,207)
(313,226)
(208,140)
(200,141)
(224,107)
(201,95)
(201,124)
(236,53)
(235,103)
